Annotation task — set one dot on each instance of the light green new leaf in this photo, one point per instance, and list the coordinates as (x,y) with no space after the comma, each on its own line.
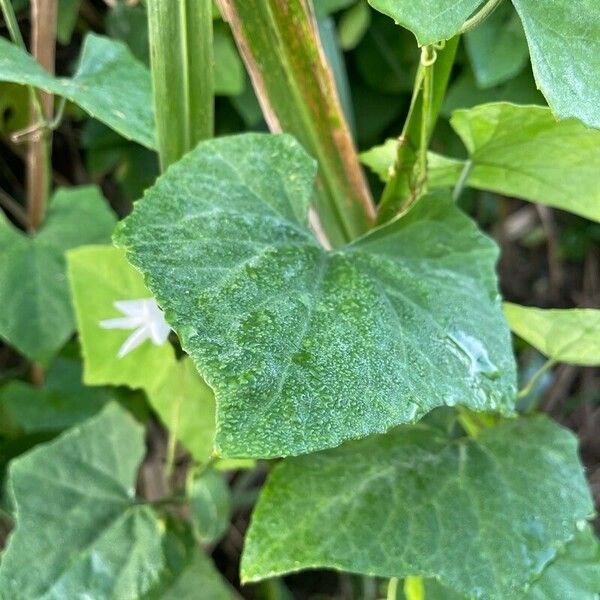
(98,277)
(430,20)
(77,520)
(210,501)
(36,316)
(110,84)
(519,151)
(482,515)
(497,48)
(523,151)
(186,405)
(565,335)
(306,348)
(563,37)
(62,402)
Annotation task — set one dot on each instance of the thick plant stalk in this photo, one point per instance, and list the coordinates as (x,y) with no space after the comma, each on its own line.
(181,56)
(280,45)
(43,48)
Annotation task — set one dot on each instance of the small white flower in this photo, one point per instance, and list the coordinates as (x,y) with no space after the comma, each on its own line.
(146,317)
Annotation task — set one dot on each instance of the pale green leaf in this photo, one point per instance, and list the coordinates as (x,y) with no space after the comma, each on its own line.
(497,48)
(229,74)
(565,335)
(482,515)
(110,84)
(306,348)
(563,38)
(523,151)
(210,501)
(77,521)
(62,402)
(442,171)
(430,20)
(36,316)
(186,405)
(98,277)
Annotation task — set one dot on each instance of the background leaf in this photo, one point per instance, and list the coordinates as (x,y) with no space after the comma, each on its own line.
(565,335)
(291,337)
(110,84)
(430,20)
(36,316)
(79,491)
(210,501)
(482,515)
(562,37)
(99,276)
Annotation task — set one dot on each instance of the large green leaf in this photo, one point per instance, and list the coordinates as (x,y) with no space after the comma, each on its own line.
(483,515)
(306,348)
(110,84)
(36,316)
(80,532)
(523,151)
(563,37)
(430,20)
(565,335)
(99,276)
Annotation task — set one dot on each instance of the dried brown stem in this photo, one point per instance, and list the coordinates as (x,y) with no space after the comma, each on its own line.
(43,47)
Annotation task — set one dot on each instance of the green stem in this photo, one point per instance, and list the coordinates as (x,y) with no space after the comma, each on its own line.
(462,180)
(410,167)
(480,16)
(181,57)
(11,23)
(392,591)
(524,392)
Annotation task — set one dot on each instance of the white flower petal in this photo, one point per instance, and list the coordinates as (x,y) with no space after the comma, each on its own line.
(132,307)
(122,323)
(133,341)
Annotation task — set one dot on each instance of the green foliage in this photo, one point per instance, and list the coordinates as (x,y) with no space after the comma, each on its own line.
(36,316)
(564,335)
(382,305)
(63,401)
(99,276)
(497,48)
(430,20)
(186,406)
(210,502)
(561,35)
(519,151)
(108,546)
(110,84)
(485,516)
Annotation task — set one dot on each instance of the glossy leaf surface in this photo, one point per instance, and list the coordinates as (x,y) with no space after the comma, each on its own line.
(306,348)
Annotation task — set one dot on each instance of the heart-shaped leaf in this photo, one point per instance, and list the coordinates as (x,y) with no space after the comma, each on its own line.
(36,316)
(305,348)
(484,516)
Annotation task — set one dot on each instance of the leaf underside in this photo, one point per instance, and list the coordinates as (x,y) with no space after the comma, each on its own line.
(306,348)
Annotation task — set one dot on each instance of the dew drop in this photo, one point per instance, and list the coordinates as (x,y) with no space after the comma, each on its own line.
(475,355)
